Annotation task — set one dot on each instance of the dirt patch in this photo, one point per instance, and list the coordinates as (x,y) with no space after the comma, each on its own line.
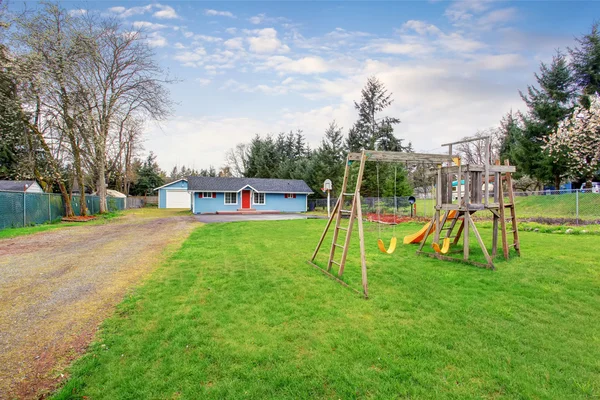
(78,218)
(57,286)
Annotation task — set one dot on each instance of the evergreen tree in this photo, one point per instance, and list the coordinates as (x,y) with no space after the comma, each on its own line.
(11,127)
(547,106)
(328,160)
(372,132)
(586,64)
(149,177)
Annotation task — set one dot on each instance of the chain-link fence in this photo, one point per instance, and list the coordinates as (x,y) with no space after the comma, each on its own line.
(19,209)
(564,206)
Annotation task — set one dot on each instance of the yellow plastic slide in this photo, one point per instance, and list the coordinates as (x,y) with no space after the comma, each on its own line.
(418,236)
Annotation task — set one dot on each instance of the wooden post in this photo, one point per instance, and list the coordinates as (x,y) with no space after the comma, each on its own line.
(467,216)
(513,212)
(363,257)
(325,230)
(481,244)
(487,169)
(352,214)
(338,215)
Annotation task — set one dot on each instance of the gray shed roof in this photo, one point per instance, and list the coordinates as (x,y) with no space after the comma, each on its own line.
(15,186)
(211,184)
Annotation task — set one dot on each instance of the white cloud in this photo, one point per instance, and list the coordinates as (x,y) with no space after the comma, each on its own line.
(191,58)
(497,17)
(216,13)
(265,41)
(461,12)
(391,47)
(199,142)
(203,81)
(165,12)
(304,65)
(207,38)
(231,31)
(257,19)
(235,43)
(128,12)
(421,27)
(77,13)
(148,25)
(500,61)
(155,39)
(179,45)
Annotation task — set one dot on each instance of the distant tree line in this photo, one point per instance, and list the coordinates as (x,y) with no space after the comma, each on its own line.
(288,156)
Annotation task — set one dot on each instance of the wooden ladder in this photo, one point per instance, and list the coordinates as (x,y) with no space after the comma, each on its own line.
(513,216)
(355,212)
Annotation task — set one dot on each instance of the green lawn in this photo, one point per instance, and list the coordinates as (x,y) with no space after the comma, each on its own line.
(550,206)
(28,230)
(237,313)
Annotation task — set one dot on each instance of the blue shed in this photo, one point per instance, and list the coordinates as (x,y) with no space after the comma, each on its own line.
(225,195)
(174,195)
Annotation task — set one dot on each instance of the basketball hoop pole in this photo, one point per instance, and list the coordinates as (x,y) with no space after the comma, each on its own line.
(328,210)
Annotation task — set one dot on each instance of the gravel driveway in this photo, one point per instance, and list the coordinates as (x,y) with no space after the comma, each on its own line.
(57,286)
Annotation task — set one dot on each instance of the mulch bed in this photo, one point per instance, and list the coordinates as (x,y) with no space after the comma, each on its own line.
(78,219)
(389,219)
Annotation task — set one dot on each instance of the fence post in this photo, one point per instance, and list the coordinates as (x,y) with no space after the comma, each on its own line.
(49,209)
(577,207)
(24,210)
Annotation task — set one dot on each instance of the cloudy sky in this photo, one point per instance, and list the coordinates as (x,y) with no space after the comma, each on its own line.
(266,67)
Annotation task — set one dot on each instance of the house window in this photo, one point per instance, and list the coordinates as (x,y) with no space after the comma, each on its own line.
(207,195)
(230,198)
(259,198)
(290,195)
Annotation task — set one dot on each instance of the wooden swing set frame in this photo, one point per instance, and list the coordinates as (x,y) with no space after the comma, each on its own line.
(472,200)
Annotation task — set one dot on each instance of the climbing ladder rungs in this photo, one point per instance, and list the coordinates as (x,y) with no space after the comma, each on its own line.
(347,211)
(336,263)
(348,194)
(338,245)
(342,228)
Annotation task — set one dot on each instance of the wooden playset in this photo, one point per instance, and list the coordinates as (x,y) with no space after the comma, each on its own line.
(452,208)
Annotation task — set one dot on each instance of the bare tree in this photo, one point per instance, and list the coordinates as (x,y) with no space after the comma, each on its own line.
(474,152)
(122,82)
(236,159)
(49,47)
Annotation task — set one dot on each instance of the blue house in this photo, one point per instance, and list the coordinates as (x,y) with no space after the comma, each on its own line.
(174,195)
(222,195)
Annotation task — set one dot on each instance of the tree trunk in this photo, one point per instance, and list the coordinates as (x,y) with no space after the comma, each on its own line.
(57,178)
(79,175)
(557,182)
(101,180)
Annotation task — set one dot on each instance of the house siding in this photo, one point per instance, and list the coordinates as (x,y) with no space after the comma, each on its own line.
(273,202)
(162,192)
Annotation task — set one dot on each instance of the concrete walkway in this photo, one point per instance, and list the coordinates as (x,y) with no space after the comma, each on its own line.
(212,218)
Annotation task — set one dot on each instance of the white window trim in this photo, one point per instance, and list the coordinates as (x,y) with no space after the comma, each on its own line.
(225,199)
(259,204)
(290,195)
(207,198)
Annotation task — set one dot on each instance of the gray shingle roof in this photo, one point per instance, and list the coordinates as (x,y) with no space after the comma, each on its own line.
(15,186)
(210,184)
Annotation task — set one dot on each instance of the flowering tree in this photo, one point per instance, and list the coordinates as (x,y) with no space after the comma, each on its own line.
(578,138)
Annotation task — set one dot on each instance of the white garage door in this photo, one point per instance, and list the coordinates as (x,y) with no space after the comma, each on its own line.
(178,199)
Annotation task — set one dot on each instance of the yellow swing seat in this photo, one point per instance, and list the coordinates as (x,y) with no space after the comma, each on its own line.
(390,249)
(445,247)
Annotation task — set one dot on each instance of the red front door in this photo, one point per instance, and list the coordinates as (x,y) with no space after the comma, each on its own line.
(245,198)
